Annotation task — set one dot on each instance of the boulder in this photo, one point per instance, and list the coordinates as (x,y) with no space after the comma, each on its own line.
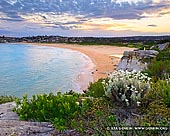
(11,125)
(163,46)
(136,60)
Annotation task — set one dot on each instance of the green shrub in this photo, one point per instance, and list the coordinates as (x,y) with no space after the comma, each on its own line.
(5,99)
(156,104)
(58,109)
(67,111)
(163,55)
(160,91)
(99,115)
(159,69)
(166,93)
(127,87)
(95,89)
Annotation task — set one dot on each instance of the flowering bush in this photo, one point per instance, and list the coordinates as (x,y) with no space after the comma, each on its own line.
(127,87)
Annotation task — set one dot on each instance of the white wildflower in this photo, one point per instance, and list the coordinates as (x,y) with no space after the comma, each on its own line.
(110,81)
(127,103)
(83,99)
(77,103)
(138,103)
(127,87)
(103,82)
(126,100)
(122,81)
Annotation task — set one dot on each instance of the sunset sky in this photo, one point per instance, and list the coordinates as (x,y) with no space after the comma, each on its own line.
(84,17)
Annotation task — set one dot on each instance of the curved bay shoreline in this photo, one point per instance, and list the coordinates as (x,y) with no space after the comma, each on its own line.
(104,58)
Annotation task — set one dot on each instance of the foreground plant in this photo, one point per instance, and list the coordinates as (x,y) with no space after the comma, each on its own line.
(5,99)
(157,100)
(156,106)
(58,109)
(159,69)
(95,89)
(127,87)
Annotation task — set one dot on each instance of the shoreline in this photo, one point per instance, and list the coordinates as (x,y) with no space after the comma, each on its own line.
(104,57)
(104,60)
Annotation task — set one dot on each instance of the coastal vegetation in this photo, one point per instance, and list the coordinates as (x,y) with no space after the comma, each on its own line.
(124,99)
(95,89)
(107,103)
(5,99)
(97,113)
(159,68)
(126,87)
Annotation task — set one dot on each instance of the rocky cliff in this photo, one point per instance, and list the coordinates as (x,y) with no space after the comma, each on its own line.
(136,60)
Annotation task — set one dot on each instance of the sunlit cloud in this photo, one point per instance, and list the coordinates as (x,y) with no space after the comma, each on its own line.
(3,15)
(78,17)
(65,20)
(157,13)
(103,24)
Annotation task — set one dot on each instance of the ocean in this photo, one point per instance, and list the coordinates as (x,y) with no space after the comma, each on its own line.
(29,69)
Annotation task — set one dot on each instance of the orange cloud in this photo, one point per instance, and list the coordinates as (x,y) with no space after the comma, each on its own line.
(103,24)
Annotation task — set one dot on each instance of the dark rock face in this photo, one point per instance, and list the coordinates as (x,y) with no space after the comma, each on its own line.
(134,60)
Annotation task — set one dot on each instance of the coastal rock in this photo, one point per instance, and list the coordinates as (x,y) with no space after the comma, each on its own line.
(6,111)
(136,60)
(24,128)
(163,46)
(10,125)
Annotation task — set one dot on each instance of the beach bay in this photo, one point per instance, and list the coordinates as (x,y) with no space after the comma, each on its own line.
(44,68)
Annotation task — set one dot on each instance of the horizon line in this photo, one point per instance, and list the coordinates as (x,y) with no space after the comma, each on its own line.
(89,36)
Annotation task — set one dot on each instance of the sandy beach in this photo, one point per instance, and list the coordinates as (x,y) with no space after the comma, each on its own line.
(104,57)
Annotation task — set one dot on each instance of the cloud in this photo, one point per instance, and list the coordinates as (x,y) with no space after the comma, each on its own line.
(103,24)
(152,25)
(157,9)
(12,19)
(109,15)
(122,9)
(10,16)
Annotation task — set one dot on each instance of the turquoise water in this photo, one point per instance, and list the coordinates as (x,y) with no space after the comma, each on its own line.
(28,69)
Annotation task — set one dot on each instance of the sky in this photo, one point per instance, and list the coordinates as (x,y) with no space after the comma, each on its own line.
(97,18)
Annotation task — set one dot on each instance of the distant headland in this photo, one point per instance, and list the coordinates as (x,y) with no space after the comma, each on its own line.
(121,41)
